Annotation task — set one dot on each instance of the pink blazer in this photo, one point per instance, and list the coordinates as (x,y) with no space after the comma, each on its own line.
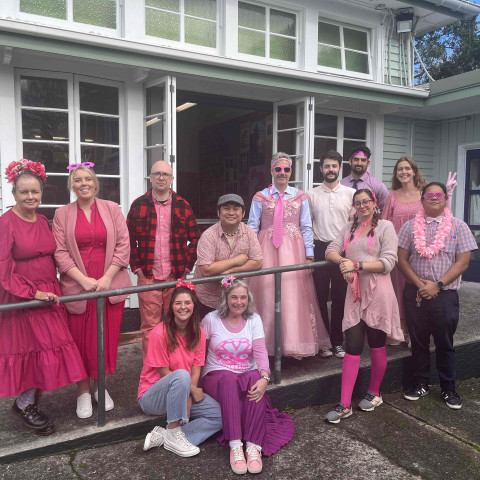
(68,255)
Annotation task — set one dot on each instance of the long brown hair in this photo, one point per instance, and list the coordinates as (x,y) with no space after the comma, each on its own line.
(418,179)
(375,217)
(192,336)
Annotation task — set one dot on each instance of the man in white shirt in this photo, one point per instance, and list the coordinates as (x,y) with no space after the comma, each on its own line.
(330,207)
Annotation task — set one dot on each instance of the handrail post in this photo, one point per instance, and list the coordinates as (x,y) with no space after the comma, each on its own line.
(278,328)
(101,360)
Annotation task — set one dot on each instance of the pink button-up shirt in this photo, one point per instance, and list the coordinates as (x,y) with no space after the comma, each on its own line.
(162,267)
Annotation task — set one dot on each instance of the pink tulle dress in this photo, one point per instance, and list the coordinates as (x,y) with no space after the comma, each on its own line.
(303,330)
(399,213)
(36,347)
(378,307)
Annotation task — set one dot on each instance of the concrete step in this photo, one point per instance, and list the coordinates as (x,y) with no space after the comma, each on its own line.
(310,381)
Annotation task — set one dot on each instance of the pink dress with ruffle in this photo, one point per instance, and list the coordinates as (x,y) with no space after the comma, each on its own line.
(303,330)
(399,213)
(36,347)
(378,307)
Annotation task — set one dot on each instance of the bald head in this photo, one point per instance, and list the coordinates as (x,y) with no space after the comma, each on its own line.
(161,166)
(161,177)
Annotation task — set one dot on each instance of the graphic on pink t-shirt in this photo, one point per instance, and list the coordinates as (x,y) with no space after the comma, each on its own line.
(234,353)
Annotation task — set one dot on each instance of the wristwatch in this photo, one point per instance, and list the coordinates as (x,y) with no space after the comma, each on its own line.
(440,284)
(266,377)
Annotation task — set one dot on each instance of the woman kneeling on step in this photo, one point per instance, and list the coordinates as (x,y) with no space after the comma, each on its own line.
(170,375)
(237,373)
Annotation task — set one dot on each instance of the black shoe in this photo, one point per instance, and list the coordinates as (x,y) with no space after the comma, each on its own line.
(452,399)
(32,417)
(47,430)
(416,392)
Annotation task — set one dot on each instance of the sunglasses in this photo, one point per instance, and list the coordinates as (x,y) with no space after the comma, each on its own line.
(282,169)
(363,203)
(432,195)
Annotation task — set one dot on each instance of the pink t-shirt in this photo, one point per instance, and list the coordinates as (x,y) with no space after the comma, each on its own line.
(159,355)
(162,266)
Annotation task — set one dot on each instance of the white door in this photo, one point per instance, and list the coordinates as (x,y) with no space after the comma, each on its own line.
(293,122)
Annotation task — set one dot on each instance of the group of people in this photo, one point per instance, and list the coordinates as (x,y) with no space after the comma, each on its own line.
(395,265)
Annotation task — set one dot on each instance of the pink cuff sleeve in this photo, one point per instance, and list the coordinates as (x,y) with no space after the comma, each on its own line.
(260,355)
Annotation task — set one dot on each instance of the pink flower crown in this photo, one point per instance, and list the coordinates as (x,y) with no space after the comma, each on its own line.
(15,168)
(227,282)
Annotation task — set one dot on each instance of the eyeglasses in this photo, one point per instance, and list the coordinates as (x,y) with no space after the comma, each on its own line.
(363,203)
(360,159)
(161,175)
(432,195)
(283,169)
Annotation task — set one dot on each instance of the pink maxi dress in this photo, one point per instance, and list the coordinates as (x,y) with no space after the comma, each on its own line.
(303,330)
(36,347)
(378,307)
(91,238)
(399,213)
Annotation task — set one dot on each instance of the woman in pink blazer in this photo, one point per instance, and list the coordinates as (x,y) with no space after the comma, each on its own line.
(93,251)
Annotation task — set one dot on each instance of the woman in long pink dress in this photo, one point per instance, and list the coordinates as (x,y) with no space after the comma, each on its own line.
(37,351)
(303,330)
(371,307)
(92,255)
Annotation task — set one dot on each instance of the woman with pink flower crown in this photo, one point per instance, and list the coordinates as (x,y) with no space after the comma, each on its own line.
(236,374)
(37,351)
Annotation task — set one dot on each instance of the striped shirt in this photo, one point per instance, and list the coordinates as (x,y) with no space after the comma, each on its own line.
(459,240)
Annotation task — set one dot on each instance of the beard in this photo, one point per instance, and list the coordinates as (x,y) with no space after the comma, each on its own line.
(359,169)
(331,177)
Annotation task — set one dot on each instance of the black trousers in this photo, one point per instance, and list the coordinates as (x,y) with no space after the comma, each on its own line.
(324,278)
(438,318)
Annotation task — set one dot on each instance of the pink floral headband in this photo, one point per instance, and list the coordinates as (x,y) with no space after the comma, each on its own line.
(74,166)
(183,283)
(227,282)
(15,168)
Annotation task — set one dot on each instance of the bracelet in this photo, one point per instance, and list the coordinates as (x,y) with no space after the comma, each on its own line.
(266,378)
(356,266)
(360,265)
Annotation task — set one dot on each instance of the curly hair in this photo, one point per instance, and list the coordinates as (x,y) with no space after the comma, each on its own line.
(418,179)
(223,307)
(192,336)
(375,218)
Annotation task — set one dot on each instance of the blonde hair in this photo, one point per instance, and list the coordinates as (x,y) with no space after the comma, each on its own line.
(90,171)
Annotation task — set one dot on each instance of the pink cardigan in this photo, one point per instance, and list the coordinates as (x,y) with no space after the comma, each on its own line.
(68,255)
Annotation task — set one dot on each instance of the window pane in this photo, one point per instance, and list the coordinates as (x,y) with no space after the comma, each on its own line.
(329,57)
(155,132)
(355,128)
(287,142)
(45,125)
(329,34)
(53,156)
(109,189)
(106,159)
(251,16)
(98,129)
(476,253)
(283,23)
(200,32)
(348,146)
(356,62)
(154,155)
(474,210)
(323,145)
(288,117)
(48,212)
(325,125)
(98,98)
(252,43)
(171,5)
(355,39)
(155,100)
(55,191)
(282,48)
(46,8)
(95,12)
(162,24)
(201,8)
(44,92)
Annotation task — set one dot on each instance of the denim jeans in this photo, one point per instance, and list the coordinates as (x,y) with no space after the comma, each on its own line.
(169,395)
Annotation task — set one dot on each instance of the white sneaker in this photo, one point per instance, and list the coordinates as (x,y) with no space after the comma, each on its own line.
(325,352)
(84,405)
(155,438)
(108,400)
(178,443)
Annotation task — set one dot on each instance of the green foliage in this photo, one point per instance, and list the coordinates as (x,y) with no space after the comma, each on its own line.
(452,50)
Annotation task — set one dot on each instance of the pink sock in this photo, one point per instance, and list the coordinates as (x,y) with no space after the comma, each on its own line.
(350,366)
(379,365)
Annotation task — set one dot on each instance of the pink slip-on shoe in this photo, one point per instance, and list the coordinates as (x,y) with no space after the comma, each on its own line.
(237,460)
(254,458)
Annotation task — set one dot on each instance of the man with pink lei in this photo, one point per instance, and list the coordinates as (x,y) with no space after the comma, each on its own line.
(434,250)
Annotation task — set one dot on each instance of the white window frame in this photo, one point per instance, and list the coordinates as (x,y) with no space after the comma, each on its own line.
(69,23)
(182,44)
(73,110)
(266,58)
(343,70)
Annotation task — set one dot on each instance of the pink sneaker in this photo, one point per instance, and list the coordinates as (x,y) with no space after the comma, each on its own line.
(254,458)
(237,460)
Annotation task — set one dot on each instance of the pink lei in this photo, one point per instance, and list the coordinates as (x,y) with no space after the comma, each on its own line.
(420,234)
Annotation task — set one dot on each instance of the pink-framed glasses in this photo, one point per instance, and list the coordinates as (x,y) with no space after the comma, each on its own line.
(432,195)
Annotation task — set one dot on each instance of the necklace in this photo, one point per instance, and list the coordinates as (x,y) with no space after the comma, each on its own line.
(420,234)
(231,234)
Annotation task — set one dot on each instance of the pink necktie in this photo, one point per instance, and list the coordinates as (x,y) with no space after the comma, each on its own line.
(278,221)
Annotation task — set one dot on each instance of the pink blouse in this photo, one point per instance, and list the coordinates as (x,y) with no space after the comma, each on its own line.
(400,212)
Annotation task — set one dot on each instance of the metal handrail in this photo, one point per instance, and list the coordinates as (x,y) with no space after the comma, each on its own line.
(100,300)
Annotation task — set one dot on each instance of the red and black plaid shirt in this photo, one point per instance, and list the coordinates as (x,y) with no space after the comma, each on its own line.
(142,225)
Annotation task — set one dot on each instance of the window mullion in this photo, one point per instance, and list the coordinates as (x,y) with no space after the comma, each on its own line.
(69,10)
(267,32)
(182,21)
